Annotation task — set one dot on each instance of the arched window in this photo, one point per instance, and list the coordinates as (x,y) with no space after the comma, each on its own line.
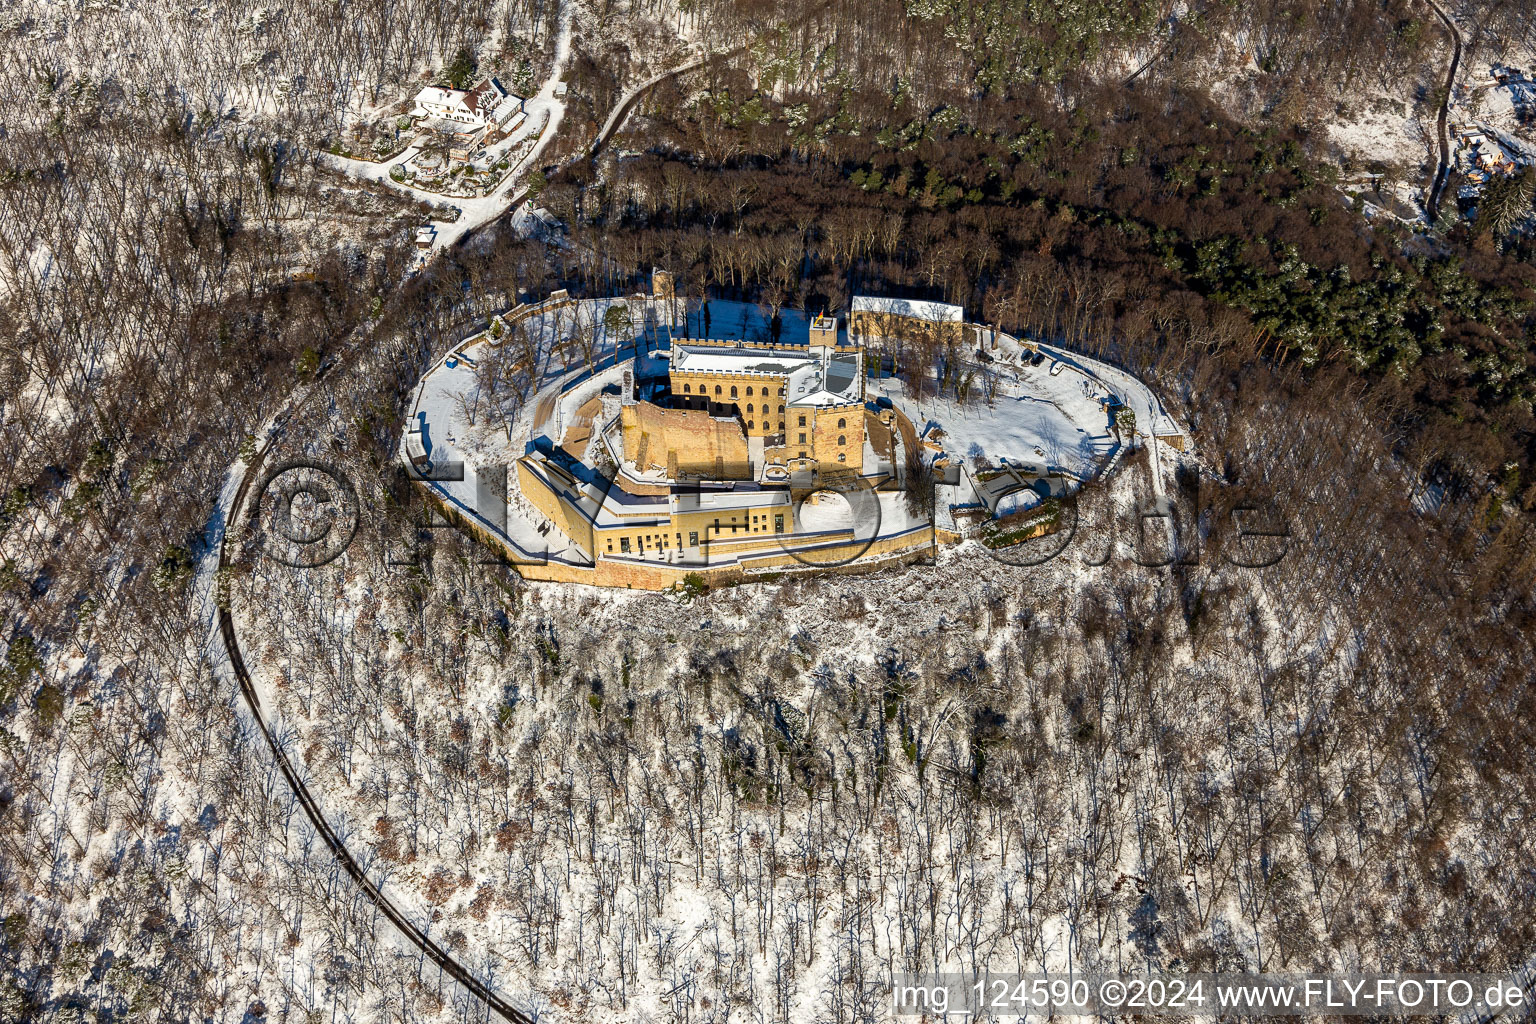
(733,390)
(749,392)
(751,425)
(842,457)
(842,439)
(781,422)
(717,389)
(840,425)
(749,407)
(687,388)
(781,409)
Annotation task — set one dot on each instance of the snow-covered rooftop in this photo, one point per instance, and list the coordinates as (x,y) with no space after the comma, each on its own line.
(735,498)
(832,381)
(819,376)
(487,103)
(721,359)
(938,312)
(437,95)
(510,109)
(486,95)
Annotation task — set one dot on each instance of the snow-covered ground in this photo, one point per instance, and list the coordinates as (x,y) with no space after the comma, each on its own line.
(829,512)
(1047,423)
(1508,106)
(545,110)
(1055,423)
(456,422)
(1386,129)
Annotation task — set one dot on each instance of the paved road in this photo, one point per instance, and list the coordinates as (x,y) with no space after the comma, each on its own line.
(1443,169)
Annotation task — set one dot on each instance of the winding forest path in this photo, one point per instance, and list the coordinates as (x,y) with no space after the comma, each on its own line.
(616,118)
(1443,168)
(231,510)
(628,100)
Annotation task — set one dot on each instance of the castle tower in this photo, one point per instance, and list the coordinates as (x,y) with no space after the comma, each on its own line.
(664,294)
(824,331)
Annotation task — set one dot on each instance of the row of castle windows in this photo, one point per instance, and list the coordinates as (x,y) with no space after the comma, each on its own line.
(688,390)
(658,541)
(704,390)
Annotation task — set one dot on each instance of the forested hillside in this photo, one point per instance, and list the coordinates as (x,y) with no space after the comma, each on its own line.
(1142,221)
(1096,763)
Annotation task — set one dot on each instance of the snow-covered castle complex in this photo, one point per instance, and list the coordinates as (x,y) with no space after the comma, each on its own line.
(712,439)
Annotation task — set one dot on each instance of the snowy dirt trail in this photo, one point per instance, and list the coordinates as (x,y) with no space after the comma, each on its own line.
(227,662)
(1442,171)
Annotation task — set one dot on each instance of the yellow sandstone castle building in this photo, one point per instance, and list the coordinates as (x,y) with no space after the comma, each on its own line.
(714,469)
(728,456)
(708,466)
(717,456)
(737,405)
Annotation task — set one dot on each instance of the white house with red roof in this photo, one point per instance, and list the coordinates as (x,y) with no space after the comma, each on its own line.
(488,104)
